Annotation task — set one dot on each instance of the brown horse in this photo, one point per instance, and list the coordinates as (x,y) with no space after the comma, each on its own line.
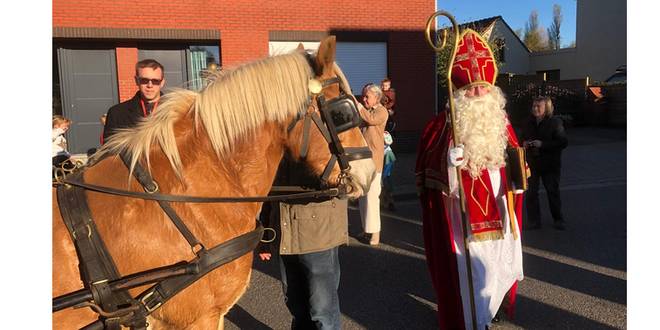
(226,140)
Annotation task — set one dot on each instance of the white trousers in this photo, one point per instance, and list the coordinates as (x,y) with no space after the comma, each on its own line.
(370,207)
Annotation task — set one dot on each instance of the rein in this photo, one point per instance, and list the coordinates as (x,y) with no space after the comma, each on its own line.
(331,192)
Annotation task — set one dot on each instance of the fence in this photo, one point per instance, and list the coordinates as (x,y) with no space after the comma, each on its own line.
(568,96)
(573,99)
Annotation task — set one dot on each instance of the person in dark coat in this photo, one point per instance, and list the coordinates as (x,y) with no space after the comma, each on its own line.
(544,139)
(150,79)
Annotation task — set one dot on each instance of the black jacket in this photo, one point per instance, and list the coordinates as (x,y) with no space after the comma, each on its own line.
(123,115)
(550,131)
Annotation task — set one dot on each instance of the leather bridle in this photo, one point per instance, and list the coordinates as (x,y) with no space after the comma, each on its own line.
(338,114)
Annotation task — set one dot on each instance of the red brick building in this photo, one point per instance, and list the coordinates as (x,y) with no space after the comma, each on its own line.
(97,43)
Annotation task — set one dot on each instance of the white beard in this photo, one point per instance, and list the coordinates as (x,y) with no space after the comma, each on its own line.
(481,127)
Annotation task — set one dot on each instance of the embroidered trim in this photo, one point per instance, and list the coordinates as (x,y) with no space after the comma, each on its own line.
(487,236)
(484,212)
(497,224)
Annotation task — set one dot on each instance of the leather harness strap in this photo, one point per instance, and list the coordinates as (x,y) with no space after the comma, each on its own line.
(208,260)
(150,186)
(96,265)
(102,281)
(330,192)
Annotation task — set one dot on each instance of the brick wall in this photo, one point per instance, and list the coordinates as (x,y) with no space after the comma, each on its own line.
(244,27)
(126,59)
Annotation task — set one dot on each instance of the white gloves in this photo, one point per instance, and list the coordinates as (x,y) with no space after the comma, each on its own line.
(455,156)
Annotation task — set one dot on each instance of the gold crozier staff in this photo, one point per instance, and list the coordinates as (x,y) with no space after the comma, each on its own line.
(438,49)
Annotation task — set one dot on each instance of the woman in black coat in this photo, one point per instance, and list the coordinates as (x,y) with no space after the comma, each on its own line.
(544,139)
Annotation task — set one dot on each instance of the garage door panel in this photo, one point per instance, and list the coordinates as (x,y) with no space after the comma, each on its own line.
(83,116)
(89,88)
(361,62)
(92,132)
(285,47)
(92,85)
(92,61)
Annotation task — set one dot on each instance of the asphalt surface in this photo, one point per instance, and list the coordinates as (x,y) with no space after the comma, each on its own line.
(574,279)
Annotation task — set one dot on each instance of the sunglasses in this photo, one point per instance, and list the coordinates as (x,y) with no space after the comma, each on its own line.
(145,81)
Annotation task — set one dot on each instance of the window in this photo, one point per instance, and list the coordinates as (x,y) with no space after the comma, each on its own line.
(203,61)
(500,48)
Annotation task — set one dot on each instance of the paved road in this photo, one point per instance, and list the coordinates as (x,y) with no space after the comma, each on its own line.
(573,280)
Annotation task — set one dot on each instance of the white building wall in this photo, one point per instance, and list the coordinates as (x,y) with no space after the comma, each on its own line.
(600,43)
(516,55)
(563,60)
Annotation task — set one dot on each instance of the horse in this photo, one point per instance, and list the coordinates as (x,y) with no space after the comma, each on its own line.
(225,140)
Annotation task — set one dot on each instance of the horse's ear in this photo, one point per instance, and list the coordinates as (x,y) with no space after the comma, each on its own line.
(326,54)
(300,47)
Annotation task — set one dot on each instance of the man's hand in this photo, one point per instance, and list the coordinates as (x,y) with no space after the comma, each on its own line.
(265,256)
(456,155)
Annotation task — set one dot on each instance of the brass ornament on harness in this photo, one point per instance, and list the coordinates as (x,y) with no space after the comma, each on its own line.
(66,167)
(315,86)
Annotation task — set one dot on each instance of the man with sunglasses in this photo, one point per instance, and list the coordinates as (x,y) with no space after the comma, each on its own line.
(150,79)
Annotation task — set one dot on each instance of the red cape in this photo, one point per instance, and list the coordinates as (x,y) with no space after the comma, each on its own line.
(432,182)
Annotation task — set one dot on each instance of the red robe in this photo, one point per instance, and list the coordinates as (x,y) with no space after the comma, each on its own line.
(432,180)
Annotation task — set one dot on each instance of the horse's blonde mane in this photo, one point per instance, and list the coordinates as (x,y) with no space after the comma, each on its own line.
(231,107)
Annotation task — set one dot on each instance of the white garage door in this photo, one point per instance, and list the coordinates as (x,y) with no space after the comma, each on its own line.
(284,47)
(362,62)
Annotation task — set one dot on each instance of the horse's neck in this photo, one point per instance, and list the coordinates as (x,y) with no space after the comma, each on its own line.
(253,164)
(248,171)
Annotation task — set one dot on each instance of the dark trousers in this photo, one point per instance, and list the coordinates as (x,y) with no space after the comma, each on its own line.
(551,184)
(310,282)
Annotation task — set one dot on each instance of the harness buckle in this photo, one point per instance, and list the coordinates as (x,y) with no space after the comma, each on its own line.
(154,189)
(201,249)
(89,234)
(149,305)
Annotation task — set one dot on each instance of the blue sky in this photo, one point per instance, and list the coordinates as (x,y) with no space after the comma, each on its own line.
(515,13)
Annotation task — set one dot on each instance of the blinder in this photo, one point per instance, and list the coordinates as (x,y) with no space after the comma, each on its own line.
(342,113)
